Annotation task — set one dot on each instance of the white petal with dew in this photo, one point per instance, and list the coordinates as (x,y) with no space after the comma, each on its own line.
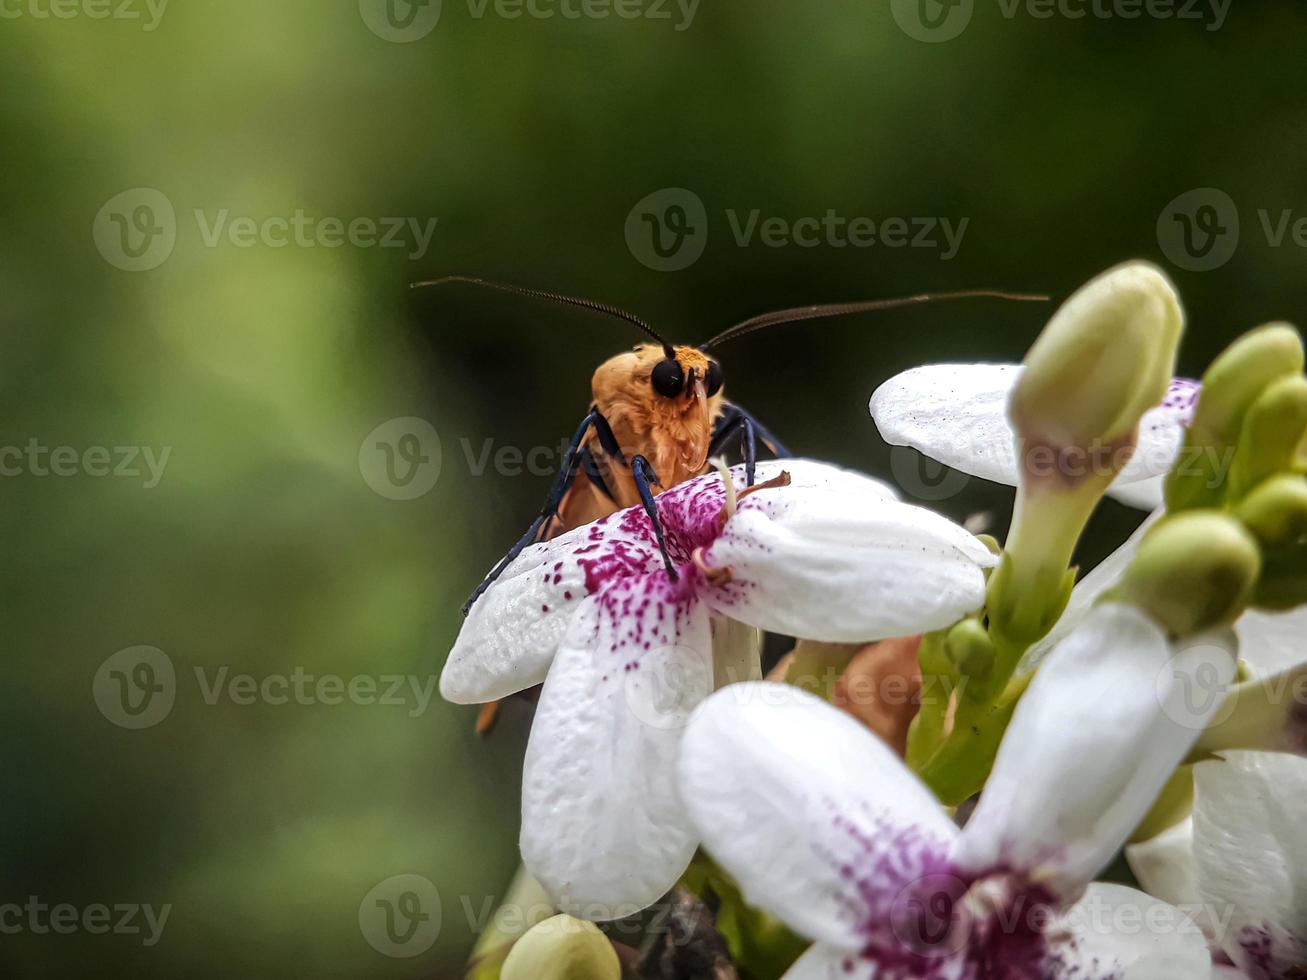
(954,413)
(602,828)
(805,807)
(1104,723)
(512,631)
(845,568)
(1250,842)
(1125,934)
(957,414)
(823,962)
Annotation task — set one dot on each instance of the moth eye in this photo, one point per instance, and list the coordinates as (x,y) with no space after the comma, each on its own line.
(668,379)
(712,379)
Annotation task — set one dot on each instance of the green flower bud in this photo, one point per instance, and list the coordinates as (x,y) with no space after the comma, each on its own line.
(1106,357)
(1194,571)
(1276,512)
(1283,585)
(971,651)
(562,948)
(1231,385)
(1272,431)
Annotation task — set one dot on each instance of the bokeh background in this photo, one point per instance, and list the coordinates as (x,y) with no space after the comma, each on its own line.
(275,539)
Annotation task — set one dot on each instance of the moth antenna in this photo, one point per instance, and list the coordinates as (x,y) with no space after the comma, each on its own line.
(585,304)
(842,309)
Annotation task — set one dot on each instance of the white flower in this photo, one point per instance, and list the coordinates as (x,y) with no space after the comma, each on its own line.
(1241,859)
(824,826)
(958,414)
(625,652)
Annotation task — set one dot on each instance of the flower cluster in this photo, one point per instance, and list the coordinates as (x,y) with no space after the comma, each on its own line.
(1159,704)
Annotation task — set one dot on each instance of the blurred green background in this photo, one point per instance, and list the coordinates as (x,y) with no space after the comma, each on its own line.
(266,545)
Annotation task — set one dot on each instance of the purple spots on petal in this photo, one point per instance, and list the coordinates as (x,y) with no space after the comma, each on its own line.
(1271,952)
(1181,398)
(923,918)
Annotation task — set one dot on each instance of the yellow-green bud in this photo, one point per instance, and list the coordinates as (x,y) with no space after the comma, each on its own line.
(971,650)
(1106,357)
(1272,430)
(562,948)
(1231,385)
(1194,571)
(1276,512)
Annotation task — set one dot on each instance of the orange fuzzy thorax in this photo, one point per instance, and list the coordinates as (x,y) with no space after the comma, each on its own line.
(672,433)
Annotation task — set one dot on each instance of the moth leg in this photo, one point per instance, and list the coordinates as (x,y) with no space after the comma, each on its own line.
(591,469)
(736,421)
(644,476)
(566,477)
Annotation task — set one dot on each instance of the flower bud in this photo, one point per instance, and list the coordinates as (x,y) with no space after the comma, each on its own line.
(1106,357)
(971,651)
(1276,512)
(1194,572)
(1271,433)
(562,948)
(1231,385)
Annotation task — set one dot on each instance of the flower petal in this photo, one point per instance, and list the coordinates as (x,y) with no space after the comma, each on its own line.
(1164,865)
(1122,933)
(509,638)
(1105,722)
(602,828)
(1272,642)
(817,819)
(957,414)
(845,567)
(511,632)
(1250,842)
(824,962)
(810,474)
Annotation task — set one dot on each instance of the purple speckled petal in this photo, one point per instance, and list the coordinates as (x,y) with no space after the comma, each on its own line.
(1122,933)
(1111,713)
(510,636)
(816,817)
(1250,842)
(511,633)
(602,828)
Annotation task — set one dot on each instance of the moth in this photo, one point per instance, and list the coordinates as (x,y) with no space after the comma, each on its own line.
(657,415)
